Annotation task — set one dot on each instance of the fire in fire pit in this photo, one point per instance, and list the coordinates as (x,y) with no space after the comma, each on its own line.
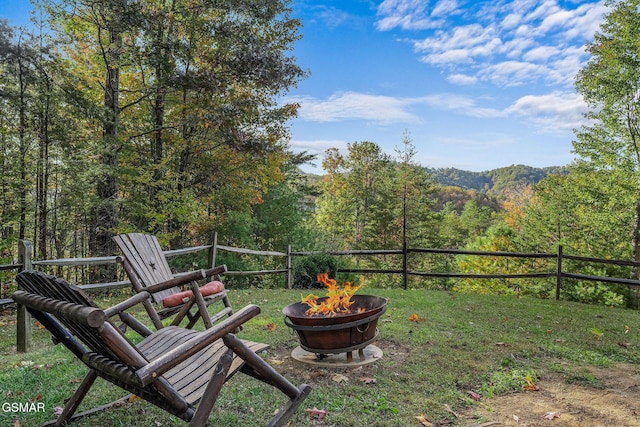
(340,322)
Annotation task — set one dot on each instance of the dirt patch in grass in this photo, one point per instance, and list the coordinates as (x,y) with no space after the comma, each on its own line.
(567,396)
(598,397)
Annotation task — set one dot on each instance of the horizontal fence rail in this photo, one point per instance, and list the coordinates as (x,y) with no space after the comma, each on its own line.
(25,262)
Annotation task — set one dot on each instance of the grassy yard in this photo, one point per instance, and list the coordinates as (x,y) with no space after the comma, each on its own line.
(461,344)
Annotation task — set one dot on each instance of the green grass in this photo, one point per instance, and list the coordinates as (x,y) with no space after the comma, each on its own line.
(463,343)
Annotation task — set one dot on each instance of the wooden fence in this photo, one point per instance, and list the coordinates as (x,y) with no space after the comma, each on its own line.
(25,262)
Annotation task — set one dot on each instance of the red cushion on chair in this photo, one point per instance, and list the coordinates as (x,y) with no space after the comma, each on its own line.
(208,289)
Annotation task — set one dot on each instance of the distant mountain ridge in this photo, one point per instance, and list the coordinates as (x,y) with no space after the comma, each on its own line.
(495,180)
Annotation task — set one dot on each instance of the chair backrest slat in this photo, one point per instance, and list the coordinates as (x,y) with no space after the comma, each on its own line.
(146,259)
(70,306)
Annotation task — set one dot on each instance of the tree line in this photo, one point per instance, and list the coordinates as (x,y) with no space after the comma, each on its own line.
(157,116)
(120,116)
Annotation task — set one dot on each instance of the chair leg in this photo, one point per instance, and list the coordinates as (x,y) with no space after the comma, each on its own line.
(76,399)
(213,390)
(69,414)
(282,417)
(201,305)
(266,373)
(185,311)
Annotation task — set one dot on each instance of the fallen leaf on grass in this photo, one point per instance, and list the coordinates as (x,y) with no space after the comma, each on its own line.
(314,374)
(16,423)
(623,344)
(551,415)
(448,408)
(276,362)
(271,327)
(316,414)
(474,395)
(339,378)
(57,411)
(423,420)
(597,333)
(74,380)
(626,329)
(368,380)
(133,398)
(502,344)
(530,384)
(36,398)
(414,317)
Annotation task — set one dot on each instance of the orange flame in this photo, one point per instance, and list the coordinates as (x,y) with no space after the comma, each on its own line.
(337,300)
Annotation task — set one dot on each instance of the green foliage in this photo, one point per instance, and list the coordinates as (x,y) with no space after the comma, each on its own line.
(494,182)
(610,83)
(160,146)
(594,293)
(307,268)
(507,381)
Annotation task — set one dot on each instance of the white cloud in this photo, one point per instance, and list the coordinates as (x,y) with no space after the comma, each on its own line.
(540,53)
(354,106)
(449,57)
(512,73)
(462,79)
(317,146)
(444,7)
(556,111)
(332,17)
(406,14)
(505,43)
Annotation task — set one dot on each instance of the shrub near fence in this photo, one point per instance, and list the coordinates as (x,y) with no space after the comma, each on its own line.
(25,262)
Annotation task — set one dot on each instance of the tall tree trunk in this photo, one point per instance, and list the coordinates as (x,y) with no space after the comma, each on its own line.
(22,136)
(43,176)
(636,240)
(105,217)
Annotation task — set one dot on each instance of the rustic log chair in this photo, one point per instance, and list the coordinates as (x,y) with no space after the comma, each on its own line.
(146,265)
(177,369)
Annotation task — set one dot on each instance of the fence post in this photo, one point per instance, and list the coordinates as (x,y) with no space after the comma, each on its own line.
(23,326)
(213,250)
(404,265)
(289,279)
(559,273)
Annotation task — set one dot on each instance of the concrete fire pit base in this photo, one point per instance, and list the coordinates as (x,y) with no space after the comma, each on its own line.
(364,356)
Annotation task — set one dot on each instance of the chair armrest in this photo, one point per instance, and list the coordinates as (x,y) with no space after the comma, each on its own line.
(127,304)
(86,315)
(186,278)
(168,360)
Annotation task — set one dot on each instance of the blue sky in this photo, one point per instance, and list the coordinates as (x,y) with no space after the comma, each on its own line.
(477,84)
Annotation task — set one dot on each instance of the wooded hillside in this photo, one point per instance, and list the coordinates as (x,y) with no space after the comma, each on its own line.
(494,181)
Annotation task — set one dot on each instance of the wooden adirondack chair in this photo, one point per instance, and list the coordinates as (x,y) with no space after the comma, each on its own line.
(179,370)
(146,265)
